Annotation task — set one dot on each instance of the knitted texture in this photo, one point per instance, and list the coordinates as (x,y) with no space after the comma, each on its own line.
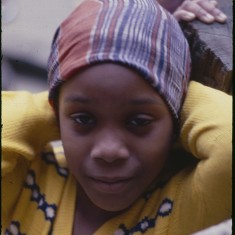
(139,34)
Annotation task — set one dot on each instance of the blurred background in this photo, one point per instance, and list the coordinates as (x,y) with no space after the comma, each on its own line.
(28,27)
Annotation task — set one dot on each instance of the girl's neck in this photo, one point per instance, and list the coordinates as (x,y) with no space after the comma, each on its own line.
(88,217)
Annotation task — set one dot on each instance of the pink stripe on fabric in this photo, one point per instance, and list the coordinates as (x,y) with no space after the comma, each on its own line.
(98,27)
(73,49)
(113,25)
(154,38)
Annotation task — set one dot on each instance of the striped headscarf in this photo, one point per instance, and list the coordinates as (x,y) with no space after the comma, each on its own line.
(139,34)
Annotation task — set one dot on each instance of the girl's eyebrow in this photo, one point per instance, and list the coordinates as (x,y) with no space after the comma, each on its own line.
(135,101)
(76,98)
(145,100)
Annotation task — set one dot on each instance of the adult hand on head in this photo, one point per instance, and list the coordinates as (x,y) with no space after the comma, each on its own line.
(204,10)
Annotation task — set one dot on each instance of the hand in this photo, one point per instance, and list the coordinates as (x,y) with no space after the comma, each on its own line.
(204,10)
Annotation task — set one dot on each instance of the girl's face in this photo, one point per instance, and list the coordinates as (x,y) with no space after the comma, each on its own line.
(116,132)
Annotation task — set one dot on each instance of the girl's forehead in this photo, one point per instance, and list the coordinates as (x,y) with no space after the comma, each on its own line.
(110,81)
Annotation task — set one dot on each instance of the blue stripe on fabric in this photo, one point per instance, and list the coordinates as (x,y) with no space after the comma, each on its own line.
(162,55)
(132,45)
(121,29)
(105,29)
(136,47)
(130,29)
(148,35)
(141,49)
(98,28)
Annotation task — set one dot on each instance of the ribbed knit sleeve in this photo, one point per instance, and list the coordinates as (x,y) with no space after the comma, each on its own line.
(207,133)
(28,123)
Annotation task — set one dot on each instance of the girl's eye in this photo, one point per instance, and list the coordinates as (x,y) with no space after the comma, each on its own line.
(84,119)
(139,121)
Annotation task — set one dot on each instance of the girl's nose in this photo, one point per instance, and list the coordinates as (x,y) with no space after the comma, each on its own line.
(110,147)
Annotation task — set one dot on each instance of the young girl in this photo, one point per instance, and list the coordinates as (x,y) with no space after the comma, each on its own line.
(118,75)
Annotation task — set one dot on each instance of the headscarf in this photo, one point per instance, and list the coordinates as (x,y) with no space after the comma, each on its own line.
(139,34)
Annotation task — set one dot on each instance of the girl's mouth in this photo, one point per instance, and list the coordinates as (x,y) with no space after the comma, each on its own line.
(109,185)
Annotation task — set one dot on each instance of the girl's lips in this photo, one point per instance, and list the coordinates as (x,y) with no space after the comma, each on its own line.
(110,185)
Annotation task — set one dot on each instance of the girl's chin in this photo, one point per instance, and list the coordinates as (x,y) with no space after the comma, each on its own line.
(113,198)
(115,206)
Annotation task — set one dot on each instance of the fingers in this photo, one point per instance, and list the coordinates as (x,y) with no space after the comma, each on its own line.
(204,10)
(211,8)
(181,14)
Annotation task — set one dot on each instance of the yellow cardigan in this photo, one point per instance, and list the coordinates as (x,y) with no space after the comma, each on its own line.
(38,192)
